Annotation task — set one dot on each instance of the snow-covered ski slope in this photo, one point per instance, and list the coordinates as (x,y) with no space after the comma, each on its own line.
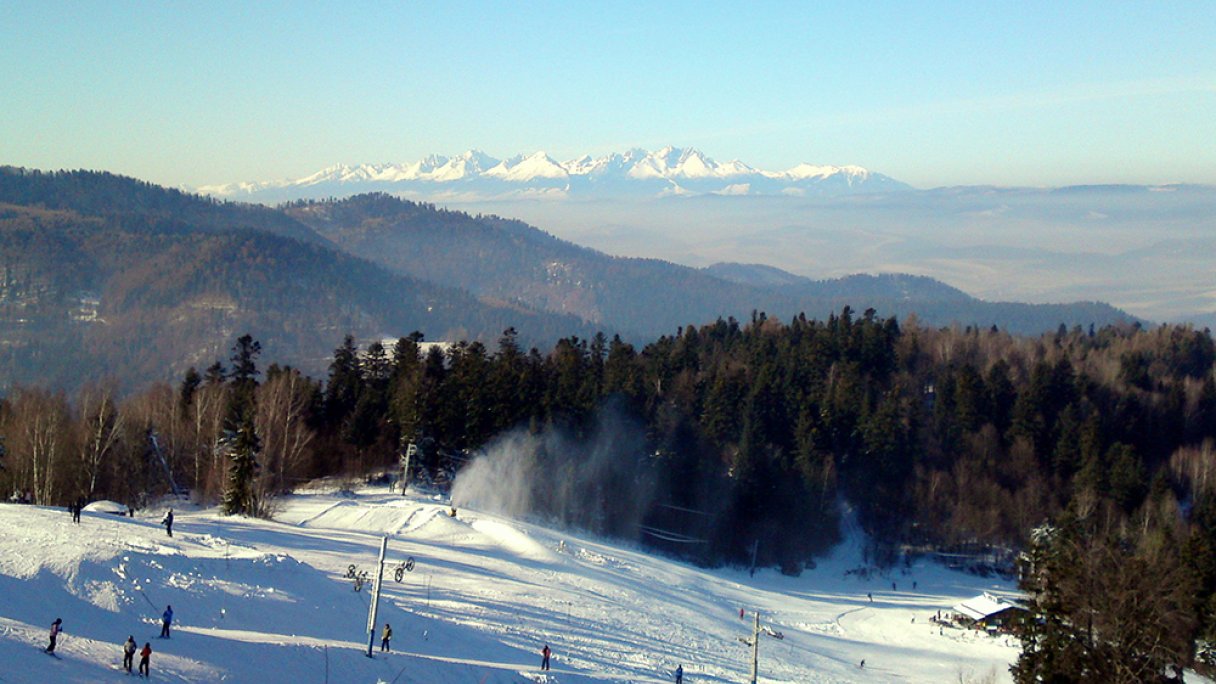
(268,601)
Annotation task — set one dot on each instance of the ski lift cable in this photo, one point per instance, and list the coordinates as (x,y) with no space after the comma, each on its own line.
(681,508)
(666,535)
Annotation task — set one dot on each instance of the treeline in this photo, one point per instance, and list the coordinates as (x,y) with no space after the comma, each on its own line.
(934,437)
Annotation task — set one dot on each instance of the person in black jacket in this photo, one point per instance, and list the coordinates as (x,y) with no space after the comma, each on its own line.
(385,636)
(56,628)
(128,653)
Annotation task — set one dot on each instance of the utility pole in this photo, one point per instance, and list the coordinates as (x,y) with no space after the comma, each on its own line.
(405,466)
(755,647)
(754,642)
(374,609)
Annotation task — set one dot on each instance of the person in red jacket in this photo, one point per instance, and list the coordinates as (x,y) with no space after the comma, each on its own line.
(544,662)
(144,655)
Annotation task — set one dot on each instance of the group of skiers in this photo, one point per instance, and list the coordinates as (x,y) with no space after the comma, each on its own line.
(128,654)
(77,506)
(145,654)
(129,647)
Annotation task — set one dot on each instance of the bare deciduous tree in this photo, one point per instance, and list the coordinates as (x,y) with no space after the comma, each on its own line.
(38,441)
(101,425)
(282,405)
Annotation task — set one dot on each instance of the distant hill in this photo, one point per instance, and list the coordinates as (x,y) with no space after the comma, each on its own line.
(509,260)
(135,282)
(102,275)
(160,210)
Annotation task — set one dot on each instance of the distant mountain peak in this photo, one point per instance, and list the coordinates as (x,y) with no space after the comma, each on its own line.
(667,171)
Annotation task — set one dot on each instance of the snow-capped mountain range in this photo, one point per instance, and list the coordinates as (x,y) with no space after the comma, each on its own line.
(473,174)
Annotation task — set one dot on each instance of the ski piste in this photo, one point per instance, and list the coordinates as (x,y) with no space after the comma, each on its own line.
(270,601)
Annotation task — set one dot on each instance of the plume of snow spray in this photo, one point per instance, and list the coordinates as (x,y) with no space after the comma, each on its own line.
(601,483)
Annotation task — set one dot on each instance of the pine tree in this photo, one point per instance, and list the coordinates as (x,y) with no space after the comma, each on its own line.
(190,385)
(243,444)
(244,447)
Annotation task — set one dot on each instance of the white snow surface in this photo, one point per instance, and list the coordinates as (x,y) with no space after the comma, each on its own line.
(666,164)
(267,601)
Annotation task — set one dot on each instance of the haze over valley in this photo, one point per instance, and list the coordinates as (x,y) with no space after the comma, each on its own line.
(1141,248)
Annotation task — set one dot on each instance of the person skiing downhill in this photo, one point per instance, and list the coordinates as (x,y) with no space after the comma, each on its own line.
(55,630)
(144,655)
(167,521)
(679,674)
(166,620)
(544,661)
(385,636)
(128,653)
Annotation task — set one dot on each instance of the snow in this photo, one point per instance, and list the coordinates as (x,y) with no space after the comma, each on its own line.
(666,164)
(268,601)
(811,171)
(980,607)
(523,169)
(111,507)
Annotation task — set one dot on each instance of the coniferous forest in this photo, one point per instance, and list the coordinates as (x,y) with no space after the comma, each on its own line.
(1090,452)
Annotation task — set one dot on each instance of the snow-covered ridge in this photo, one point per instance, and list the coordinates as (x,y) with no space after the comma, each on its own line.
(668,171)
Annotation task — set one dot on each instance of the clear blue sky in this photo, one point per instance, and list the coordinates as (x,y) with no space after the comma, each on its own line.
(1039,93)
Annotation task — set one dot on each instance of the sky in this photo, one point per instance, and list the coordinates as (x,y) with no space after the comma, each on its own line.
(930,93)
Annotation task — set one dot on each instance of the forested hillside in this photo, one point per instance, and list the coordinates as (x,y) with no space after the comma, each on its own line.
(509,260)
(106,277)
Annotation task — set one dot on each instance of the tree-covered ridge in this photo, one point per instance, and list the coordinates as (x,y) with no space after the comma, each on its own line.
(939,436)
(511,261)
(139,205)
(102,275)
(85,297)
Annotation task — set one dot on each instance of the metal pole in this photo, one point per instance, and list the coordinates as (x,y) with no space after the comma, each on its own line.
(756,647)
(375,607)
(405,467)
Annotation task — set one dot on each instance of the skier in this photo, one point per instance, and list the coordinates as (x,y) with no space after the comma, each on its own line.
(79,508)
(870,596)
(679,674)
(167,521)
(55,630)
(166,620)
(862,665)
(385,636)
(544,662)
(144,655)
(128,653)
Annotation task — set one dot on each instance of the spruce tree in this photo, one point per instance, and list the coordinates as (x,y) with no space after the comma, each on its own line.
(242,439)
(239,493)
